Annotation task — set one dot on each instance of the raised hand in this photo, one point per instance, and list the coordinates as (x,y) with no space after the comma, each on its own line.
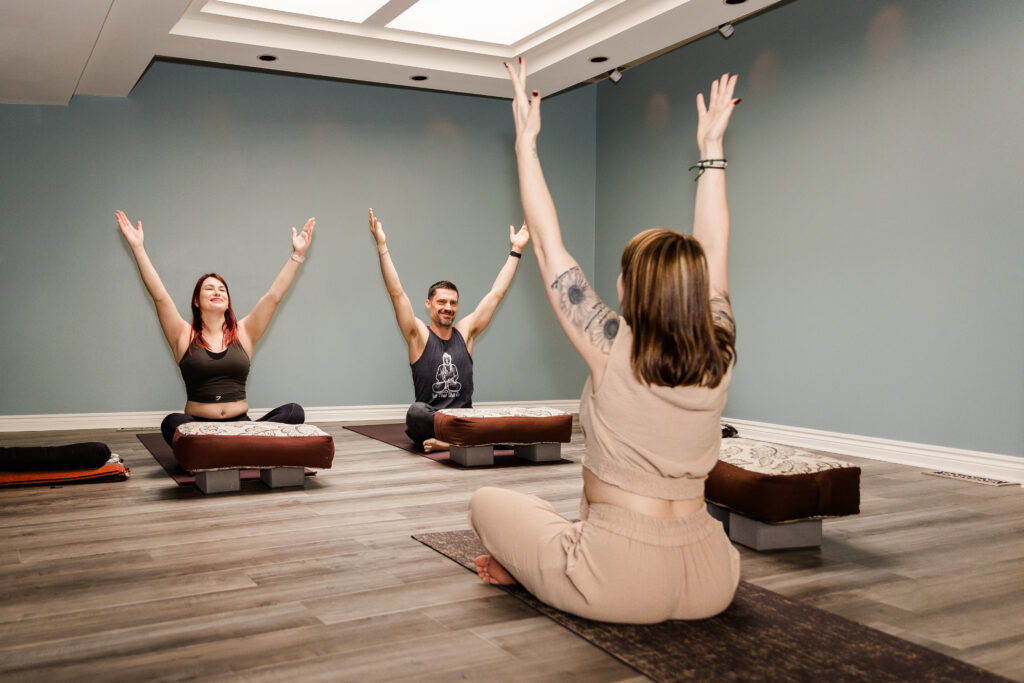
(525,110)
(713,119)
(131,233)
(377,230)
(518,239)
(302,240)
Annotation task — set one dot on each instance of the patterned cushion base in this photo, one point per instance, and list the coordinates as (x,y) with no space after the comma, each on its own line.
(513,426)
(773,483)
(203,446)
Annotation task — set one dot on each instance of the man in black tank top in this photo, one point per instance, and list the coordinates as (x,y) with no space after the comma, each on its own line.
(440,354)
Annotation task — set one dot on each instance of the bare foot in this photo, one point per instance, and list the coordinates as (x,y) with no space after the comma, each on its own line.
(490,571)
(431,445)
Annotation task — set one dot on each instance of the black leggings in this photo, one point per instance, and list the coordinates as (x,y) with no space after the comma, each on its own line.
(289,413)
(419,423)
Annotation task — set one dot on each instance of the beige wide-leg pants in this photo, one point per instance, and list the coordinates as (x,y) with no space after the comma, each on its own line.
(615,565)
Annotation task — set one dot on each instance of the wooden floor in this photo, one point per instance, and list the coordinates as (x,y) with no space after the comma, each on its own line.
(145,580)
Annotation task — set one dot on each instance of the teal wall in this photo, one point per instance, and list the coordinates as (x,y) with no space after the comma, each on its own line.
(875,186)
(874,182)
(219,164)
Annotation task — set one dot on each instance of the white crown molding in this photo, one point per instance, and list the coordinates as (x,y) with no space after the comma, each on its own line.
(977,463)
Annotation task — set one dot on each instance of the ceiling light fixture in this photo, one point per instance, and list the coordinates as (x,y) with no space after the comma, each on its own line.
(598,60)
(418,77)
(726,30)
(267,58)
(474,20)
(356,11)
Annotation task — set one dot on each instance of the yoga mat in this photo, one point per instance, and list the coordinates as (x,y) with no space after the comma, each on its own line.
(162,453)
(394,434)
(113,470)
(762,636)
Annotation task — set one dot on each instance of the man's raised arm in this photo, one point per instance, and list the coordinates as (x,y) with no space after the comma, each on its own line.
(413,330)
(477,321)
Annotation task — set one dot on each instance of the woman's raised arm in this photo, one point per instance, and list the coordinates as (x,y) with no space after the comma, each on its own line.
(711,208)
(175,329)
(588,323)
(255,324)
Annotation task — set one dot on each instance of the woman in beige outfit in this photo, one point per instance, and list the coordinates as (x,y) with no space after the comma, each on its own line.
(645,549)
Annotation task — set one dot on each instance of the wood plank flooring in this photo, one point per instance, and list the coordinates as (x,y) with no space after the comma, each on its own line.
(145,580)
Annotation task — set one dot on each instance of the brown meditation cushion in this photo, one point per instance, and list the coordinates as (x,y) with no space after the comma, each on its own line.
(512,426)
(774,483)
(200,446)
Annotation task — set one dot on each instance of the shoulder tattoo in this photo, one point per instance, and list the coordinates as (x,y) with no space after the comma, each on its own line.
(721,311)
(578,302)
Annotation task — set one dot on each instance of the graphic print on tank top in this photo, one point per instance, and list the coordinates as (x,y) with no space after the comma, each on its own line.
(442,376)
(447,376)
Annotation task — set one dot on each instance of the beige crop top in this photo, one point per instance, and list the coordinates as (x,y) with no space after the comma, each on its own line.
(651,440)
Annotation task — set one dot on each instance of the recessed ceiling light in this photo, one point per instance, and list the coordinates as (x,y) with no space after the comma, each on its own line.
(735,2)
(356,11)
(475,20)
(267,58)
(598,60)
(418,77)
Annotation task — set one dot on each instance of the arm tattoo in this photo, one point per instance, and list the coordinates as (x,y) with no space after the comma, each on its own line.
(583,308)
(721,311)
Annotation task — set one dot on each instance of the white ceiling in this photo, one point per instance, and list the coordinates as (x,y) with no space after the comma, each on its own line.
(53,49)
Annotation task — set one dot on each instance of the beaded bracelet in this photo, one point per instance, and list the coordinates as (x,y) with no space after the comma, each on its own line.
(705,164)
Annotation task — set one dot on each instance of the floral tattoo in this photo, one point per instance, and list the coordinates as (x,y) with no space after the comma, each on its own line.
(721,311)
(584,309)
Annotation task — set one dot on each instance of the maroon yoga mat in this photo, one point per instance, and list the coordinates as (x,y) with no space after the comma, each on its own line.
(394,434)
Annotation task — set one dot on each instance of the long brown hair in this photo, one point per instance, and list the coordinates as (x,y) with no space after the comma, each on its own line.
(230,325)
(666,303)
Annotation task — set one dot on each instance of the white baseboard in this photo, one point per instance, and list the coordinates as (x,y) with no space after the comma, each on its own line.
(151,419)
(977,463)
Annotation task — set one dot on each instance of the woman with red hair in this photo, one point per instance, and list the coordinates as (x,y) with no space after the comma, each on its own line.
(646,549)
(213,351)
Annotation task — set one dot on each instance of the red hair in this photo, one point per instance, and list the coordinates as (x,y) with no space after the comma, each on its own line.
(230,324)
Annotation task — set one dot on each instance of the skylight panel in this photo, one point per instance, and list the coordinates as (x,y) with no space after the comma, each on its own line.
(356,11)
(481,20)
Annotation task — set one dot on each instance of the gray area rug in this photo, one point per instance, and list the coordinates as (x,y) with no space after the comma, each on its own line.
(762,636)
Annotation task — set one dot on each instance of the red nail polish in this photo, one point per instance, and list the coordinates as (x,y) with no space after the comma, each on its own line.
(536,93)
(520,60)
(737,101)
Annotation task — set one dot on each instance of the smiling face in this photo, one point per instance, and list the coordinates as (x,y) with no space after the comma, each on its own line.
(443,306)
(212,295)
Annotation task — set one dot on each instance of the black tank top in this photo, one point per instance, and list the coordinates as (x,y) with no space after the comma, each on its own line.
(443,374)
(214,377)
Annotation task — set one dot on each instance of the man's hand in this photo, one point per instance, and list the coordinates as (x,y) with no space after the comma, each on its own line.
(377,230)
(519,239)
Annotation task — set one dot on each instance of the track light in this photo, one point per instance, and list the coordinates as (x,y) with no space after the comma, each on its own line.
(726,29)
(615,75)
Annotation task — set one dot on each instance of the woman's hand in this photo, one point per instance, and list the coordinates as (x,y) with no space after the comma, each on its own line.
(302,240)
(525,110)
(132,234)
(518,239)
(713,119)
(377,230)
